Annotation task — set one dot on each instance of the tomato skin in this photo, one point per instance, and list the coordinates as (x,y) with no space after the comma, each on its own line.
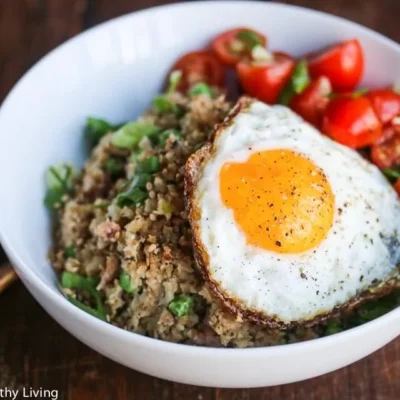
(343,64)
(386,103)
(199,66)
(351,121)
(386,153)
(221,43)
(265,81)
(312,101)
(397,186)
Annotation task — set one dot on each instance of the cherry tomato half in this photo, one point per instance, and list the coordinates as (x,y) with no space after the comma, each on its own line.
(266,80)
(343,64)
(386,153)
(231,46)
(313,100)
(351,121)
(199,66)
(386,103)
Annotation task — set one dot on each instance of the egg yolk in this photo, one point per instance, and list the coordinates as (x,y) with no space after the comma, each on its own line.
(280,199)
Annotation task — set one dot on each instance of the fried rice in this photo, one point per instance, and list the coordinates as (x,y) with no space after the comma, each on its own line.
(151,242)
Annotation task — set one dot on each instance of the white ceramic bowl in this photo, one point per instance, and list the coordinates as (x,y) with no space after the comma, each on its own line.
(113,71)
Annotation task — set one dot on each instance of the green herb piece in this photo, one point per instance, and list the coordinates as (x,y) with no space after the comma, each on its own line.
(114,167)
(70,251)
(132,197)
(87,309)
(125,282)
(129,136)
(61,177)
(135,155)
(181,305)
(249,38)
(148,165)
(140,180)
(164,136)
(59,180)
(332,328)
(392,173)
(174,79)
(136,193)
(97,128)
(359,93)
(298,82)
(53,198)
(163,105)
(201,88)
(69,280)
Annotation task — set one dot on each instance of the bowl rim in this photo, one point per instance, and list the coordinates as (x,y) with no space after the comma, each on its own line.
(185,349)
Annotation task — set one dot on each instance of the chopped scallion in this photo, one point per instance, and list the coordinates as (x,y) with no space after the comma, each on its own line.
(125,282)
(129,136)
(181,305)
(174,79)
(164,136)
(201,88)
(70,251)
(96,128)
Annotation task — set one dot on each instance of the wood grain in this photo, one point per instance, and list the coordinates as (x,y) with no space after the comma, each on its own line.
(35,351)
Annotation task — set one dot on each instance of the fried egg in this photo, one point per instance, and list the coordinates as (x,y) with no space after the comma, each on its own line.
(289,226)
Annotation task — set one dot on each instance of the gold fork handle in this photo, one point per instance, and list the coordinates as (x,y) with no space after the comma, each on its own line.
(7,276)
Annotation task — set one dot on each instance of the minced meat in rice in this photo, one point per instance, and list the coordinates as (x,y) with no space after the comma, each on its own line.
(140,256)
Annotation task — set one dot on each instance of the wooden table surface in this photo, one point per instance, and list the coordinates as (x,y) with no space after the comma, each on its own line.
(35,351)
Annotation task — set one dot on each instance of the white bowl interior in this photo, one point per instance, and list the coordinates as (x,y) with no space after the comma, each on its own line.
(112,71)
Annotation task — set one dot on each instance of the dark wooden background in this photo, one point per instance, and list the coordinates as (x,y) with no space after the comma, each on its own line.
(35,351)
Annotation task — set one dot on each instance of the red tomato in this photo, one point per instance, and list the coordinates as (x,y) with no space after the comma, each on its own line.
(352,121)
(386,153)
(199,66)
(343,64)
(230,48)
(397,186)
(386,103)
(265,81)
(312,101)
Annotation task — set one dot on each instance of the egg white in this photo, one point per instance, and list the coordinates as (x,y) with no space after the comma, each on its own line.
(361,247)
